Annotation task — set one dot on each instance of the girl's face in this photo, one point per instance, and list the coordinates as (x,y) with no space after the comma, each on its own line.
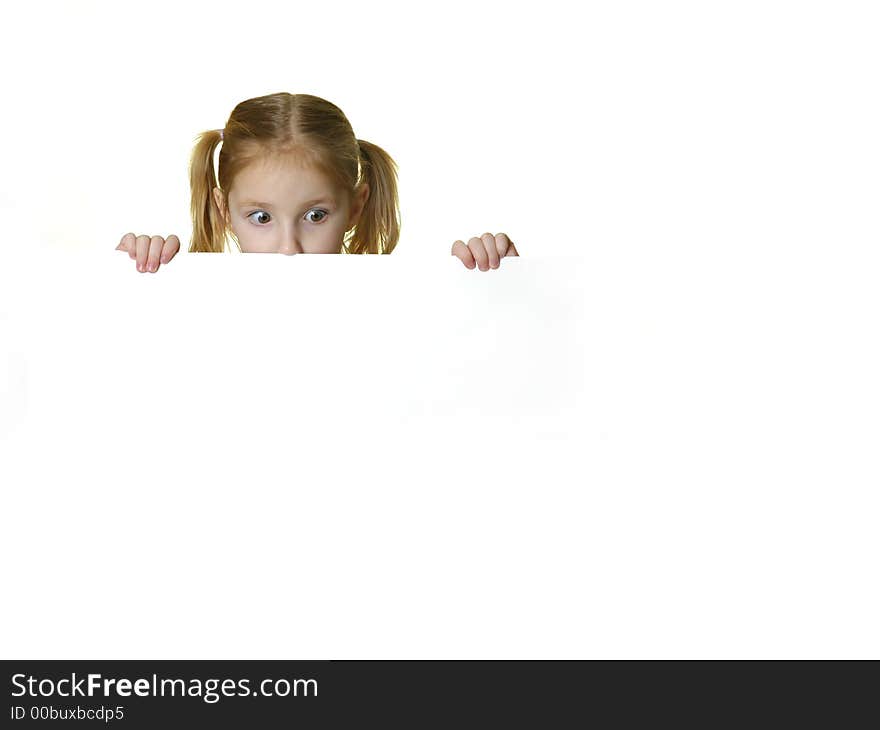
(282,207)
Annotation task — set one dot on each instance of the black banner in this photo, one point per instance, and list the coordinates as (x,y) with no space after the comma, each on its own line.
(317,694)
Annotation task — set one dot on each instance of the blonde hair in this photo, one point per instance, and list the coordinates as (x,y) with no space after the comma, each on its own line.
(313,131)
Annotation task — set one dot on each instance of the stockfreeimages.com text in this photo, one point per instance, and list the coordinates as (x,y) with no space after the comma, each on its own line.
(211,690)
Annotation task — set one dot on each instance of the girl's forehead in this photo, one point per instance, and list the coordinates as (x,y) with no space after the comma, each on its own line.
(268,179)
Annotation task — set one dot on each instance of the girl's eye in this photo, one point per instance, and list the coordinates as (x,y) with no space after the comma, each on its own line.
(261,212)
(317,210)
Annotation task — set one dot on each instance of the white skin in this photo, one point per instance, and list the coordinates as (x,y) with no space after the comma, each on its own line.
(283,207)
(280,206)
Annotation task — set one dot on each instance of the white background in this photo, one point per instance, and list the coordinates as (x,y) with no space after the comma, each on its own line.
(653,435)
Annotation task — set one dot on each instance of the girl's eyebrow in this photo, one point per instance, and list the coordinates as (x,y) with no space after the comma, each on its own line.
(258,204)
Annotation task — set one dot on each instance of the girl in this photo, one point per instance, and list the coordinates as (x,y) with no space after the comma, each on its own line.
(292,178)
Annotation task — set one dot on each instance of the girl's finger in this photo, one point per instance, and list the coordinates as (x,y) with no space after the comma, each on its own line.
(505,245)
(491,249)
(479,251)
(156,244)
(126,243)
(464,253)
(169,251)
(142,249)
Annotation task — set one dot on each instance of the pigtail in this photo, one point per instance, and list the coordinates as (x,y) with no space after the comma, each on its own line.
(209,226)
(378,228)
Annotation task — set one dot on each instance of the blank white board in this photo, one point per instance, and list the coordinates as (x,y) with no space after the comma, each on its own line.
(327,456)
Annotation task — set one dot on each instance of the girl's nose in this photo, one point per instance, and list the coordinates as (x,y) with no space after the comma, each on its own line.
(290,247)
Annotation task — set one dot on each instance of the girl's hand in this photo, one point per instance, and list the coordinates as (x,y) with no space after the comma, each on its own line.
(149,250)
(485,251)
